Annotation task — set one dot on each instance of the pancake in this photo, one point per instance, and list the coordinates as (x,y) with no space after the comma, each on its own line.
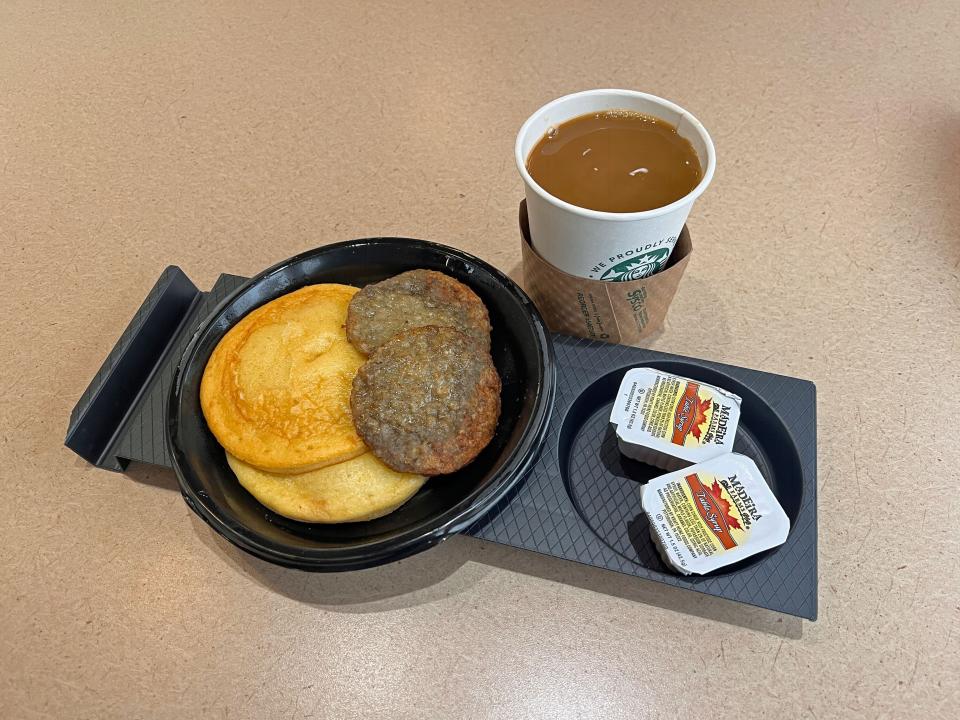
(362,488)
(276,390)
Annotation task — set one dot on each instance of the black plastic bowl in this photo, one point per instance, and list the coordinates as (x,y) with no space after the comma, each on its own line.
(522,352)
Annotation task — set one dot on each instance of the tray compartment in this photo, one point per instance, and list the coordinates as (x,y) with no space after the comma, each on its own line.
(551,515)
(604,485)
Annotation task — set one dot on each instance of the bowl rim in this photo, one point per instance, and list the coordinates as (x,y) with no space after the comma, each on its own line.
(429,531)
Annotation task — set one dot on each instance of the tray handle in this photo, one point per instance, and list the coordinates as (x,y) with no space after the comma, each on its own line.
(99,417)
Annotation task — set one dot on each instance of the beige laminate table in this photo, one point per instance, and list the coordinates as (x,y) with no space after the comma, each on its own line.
(227,136)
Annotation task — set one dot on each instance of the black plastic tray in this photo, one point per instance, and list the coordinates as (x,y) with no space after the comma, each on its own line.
(581,500)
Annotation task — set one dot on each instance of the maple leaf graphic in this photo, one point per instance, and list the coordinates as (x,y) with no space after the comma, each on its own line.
(724,505)
(701,407)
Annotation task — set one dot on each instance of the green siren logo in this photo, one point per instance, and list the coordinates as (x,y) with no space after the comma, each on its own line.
(638,267)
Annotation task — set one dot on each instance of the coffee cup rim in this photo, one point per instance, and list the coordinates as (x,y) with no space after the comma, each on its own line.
(687,199)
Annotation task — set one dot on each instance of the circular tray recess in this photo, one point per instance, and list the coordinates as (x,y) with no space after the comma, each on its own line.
(605,486)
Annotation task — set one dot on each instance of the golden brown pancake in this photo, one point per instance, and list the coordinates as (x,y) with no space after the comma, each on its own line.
(276,390)
(362,488)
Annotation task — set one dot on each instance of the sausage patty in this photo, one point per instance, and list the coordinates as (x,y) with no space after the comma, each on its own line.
(427,401)
(416,298)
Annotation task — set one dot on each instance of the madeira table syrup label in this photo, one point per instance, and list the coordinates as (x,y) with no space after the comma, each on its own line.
(667,419)
(713,514)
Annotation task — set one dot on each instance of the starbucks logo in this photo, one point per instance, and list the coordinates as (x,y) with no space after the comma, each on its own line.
(638,267)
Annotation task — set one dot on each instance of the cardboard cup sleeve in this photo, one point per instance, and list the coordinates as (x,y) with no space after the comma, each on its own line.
(616,312)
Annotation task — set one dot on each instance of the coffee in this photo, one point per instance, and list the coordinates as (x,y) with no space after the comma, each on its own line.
(617,161)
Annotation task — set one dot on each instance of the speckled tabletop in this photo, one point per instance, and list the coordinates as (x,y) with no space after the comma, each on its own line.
(223,137)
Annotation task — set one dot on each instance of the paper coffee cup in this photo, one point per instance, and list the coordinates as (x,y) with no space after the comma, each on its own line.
(606,245)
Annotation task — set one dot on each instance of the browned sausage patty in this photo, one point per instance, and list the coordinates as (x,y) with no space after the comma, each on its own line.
(427,401)
(416,298)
